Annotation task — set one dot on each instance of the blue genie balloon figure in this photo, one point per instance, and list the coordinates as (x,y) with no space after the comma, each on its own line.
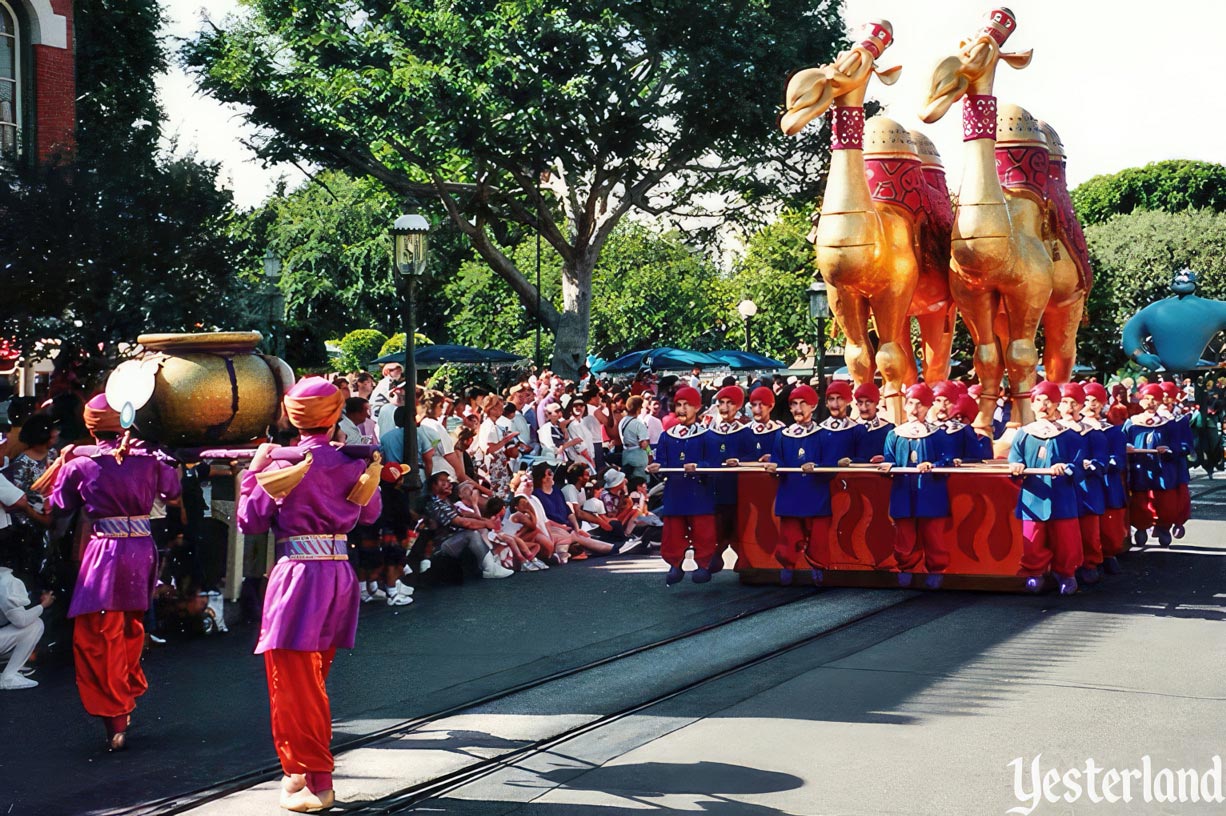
(1177,327)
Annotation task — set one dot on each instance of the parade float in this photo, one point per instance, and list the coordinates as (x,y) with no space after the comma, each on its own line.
(1010,257)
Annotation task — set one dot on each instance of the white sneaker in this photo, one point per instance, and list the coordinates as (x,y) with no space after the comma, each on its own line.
(403,588)
(490,568)
(633,544)
(376,591)
(18,682)
(398,599)
(366,596)
(528,566)
(424,565)
(540,565)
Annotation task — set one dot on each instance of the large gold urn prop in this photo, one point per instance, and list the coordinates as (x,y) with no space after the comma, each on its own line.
(200,390)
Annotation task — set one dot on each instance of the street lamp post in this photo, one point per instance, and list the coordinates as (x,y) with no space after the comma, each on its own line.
(819,312)
(410,242)
(276,301)
(747,309)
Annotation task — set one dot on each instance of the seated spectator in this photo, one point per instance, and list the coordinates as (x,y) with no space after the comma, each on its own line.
(20,629)
(531,538)
(457,534)
(561,520)
(359,428)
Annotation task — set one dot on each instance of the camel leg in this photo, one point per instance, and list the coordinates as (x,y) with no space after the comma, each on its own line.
(1023,311)
(858,350)
(894,358)
(978,308)
(937,337)
(1060,339)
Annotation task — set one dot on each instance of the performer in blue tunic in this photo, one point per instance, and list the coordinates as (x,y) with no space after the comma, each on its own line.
(962,441)
(841,438)
(802,501)
(1047,505)
(689,502)
(876,427)
(1173,409)
(736,442)
(919,503)
(981,446)
(1088,480)
(1113,526)
(764,429)
(1152,477)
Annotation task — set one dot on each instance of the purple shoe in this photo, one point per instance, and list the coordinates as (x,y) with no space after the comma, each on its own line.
(1068,585)
(675,576)
(785,577)
(904,579)
(700,576)
(1178,531)
(817,575)
(1140,537)
(1164,536)
(1034,583)
(1088,575)
(1111,565)
(933,580)
(717,564)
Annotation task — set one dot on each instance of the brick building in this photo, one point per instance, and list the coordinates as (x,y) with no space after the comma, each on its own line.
(37,80)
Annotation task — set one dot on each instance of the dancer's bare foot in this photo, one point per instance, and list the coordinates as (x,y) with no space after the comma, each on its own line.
(307,801)
(292,783)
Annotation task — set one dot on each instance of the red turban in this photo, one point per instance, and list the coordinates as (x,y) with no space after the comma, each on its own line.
(967,409)
(805,393)
(962,387)
(733,393)
(1096,391)
(868,391)
(688,394)
(1151,390)
(1171,390)
(947,390)
(101,417)
(763,395)
(920,392)
(1074,392)
(839,388)
(1046,389)
(314,402)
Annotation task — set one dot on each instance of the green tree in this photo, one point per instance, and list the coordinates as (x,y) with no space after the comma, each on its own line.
(1172,186)
(395,343)
(775,273)
(1134,257)
(554,117)
(358,348)
(119,238)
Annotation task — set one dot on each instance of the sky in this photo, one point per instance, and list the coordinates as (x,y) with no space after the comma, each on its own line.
(1123,84)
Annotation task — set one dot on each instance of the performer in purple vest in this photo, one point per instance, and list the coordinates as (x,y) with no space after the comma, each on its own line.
(310,495)
(116,486)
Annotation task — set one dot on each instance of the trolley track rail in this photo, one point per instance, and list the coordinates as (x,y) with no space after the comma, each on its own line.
(181,803)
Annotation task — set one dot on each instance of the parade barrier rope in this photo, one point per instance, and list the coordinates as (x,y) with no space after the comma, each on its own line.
(972,470)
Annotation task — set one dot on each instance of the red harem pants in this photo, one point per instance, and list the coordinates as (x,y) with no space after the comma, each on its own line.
(1054,544)
(1185,505)
(301,714)
(932,533)
(1091,540)
(1113,531)
(1153,508)
(106,648)
(681,532)
(807,535)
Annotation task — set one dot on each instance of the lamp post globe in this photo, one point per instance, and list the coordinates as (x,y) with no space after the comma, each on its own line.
(747,309)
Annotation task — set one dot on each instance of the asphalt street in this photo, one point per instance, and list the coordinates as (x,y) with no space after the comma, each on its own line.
(910,703)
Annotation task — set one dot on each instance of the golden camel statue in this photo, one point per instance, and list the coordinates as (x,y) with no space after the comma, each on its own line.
(1000,248)
(868,229)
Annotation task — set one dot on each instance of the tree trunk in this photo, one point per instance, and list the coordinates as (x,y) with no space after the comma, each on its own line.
(574,325)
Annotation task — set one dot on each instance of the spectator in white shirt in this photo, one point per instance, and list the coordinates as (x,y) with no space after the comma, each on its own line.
(20,629)
(447,458)
(356,422)
(651,418)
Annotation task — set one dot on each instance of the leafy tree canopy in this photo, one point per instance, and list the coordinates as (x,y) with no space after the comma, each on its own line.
(1171,186)
(358,348)
(120,238)
(775,273)
(627,105)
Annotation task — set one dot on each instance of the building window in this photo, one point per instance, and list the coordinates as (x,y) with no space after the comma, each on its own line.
(10,82)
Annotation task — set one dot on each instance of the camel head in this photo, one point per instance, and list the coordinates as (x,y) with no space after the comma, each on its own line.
(974,66)
(812,91)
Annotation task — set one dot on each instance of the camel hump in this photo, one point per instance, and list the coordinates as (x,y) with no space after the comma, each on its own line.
(928,153)
(885,138)
(1015,126)
(1021,154)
